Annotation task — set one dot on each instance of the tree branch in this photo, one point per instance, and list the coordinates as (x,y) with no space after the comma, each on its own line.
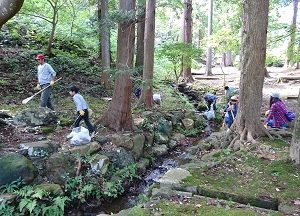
(38,16)
(51,3)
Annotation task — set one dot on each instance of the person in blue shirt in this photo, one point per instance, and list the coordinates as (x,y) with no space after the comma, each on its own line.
(210,99)
(230,111)
(82,110)
(46,76)
(230,91)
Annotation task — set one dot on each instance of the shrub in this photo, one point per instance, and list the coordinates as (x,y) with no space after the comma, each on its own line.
(274,61)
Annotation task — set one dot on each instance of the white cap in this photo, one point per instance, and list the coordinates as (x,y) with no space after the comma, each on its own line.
(275,94)
(234,98)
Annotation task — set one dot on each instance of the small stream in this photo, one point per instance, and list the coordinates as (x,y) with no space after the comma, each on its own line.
(176,158)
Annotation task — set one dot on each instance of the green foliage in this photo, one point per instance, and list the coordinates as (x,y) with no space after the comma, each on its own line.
(199,125)
(147,125)
(48,130)
(81,188)
(172,100)
(218,114)
(274,61)
(114,187)
(174,52)
(33,201)
(7,210)
(225,40)
(78,189)
(12,187)
(189,132)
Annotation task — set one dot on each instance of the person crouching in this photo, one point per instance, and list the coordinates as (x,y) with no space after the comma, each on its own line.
(276,117)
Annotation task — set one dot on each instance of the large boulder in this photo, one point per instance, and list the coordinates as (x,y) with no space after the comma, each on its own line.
(159,150)
(188,123)
(149,138)
(54,189)
(190,114)
(132,142)
(161,138)
(86,149)
(58,165)
(101,139)
(100,164)
(122,140)
(120,157)
(14,166)
(178,115)
(36,117)
(174,177)
(40,148)
(138,145)
(165,127)
(178,137)
(138,121)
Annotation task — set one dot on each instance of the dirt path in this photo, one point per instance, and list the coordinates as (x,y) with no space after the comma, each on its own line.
(232,78)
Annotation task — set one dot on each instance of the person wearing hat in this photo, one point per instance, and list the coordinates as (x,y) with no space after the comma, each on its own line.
(230,111)
(276,116)
(46,76)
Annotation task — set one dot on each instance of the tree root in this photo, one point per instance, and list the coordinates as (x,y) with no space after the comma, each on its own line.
(232,143)
(280,133)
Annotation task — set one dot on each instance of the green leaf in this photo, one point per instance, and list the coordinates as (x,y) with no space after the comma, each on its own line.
(23,203)
(39,193)
(61,202)
(31,205)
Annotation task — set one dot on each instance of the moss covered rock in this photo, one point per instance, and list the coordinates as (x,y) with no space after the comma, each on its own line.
(14,166)
(36,117)
(54,189)
(58,165)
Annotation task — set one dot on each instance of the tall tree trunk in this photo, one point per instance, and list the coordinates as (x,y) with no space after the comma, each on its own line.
(291,44)
(295,145)
(99,19)
(297,65)
(139,58)
(53,23)
(253,56)
(147,91)
(227,59)
(9,8)
(200,37)
(209,50)
(118,116)
(187,39)
(105,54)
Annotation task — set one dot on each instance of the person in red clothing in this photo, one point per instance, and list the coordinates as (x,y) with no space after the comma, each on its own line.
(276,116)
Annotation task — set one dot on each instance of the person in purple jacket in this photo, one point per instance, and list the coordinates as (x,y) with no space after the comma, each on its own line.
(276,116)
(82,110)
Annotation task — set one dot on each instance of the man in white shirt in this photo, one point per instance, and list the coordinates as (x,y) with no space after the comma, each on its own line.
(46,77)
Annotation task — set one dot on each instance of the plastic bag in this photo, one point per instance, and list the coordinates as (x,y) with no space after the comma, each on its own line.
(157,99)
(290,116)
(80,136)
(210,114)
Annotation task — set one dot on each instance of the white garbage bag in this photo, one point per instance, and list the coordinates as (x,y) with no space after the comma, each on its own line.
(157,98)
(210,114)
(79,136)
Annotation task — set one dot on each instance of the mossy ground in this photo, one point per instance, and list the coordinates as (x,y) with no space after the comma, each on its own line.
(263,171)
(199,206)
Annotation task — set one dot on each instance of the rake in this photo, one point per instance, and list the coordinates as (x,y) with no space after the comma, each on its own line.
(25,101)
